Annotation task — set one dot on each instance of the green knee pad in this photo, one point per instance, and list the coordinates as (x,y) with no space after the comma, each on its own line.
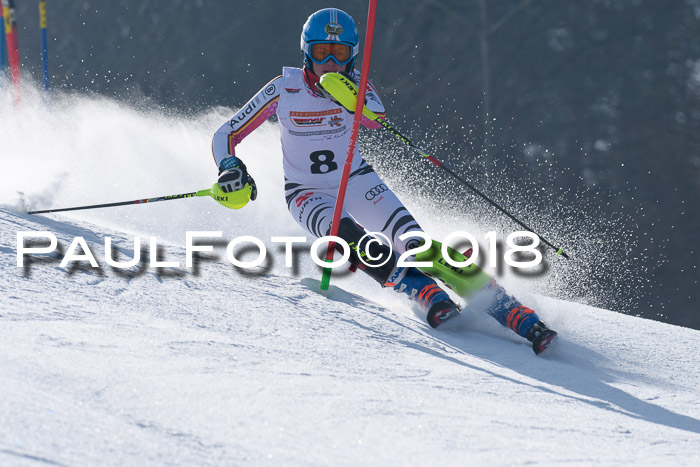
(465,281)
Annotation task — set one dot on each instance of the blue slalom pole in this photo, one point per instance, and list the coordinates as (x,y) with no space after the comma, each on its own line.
(44,48)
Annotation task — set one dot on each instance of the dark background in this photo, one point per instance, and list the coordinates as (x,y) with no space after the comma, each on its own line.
(581,115)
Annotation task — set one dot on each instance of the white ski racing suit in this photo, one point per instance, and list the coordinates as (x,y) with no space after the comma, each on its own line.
(315,134)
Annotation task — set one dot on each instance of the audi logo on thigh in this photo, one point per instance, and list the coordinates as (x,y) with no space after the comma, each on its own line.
(376,191)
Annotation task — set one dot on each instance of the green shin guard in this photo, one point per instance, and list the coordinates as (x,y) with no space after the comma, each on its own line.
(465,281)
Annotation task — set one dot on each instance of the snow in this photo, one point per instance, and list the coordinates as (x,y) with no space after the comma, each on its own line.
(215,365)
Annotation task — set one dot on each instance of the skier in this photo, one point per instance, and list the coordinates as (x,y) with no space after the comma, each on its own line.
(315,133)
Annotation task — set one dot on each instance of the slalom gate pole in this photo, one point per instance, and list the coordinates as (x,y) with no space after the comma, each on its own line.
(44,49)
(340,200)
(206,192)
(12,46)
(2,39)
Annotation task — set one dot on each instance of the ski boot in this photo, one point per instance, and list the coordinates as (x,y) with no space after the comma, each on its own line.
(541,337)
(524,321)
(442,311)
(426,292)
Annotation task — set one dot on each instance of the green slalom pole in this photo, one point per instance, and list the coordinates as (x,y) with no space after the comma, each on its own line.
(234,200)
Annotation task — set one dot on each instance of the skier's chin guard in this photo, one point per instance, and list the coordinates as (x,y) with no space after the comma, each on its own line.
(339,88)
(234,200)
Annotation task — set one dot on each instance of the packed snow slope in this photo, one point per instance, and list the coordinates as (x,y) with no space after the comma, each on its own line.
(217,365)
(211,366)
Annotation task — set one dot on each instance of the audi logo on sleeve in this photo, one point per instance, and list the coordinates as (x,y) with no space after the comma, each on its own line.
(376,191)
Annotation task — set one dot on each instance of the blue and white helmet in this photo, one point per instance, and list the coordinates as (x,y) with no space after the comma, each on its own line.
(330,25)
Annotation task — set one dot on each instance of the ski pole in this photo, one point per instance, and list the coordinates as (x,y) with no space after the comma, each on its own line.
(559,250)
(344,92)
(225,199)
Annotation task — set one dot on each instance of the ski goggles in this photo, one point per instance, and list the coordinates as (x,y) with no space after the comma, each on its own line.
(321,52)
